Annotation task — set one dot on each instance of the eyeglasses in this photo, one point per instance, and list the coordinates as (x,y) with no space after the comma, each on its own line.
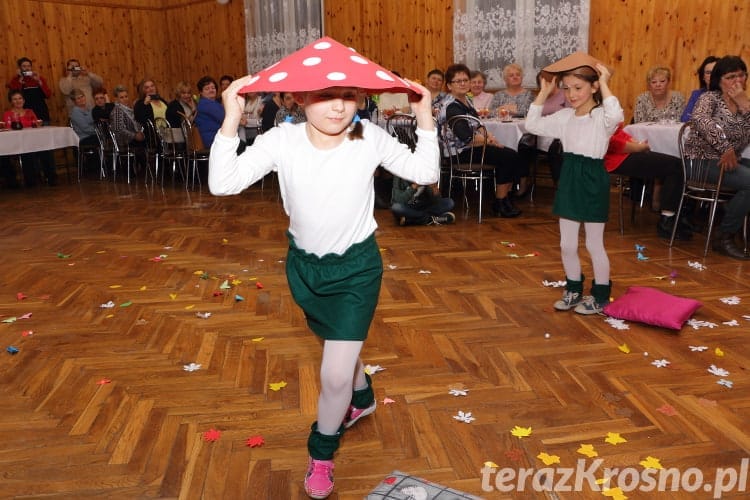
(460,82)
(734,76)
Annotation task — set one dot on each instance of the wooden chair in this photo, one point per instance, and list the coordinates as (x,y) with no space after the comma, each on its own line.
(473,168)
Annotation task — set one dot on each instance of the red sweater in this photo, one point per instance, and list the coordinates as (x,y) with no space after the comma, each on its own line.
(615,156)
(27,118)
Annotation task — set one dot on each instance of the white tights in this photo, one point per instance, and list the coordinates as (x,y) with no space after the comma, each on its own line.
(341,372)
(594,244)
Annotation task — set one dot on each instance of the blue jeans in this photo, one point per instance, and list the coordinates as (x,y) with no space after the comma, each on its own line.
(424,216)
(736,208)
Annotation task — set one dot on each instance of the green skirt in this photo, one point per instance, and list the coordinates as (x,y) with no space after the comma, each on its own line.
(338,293)
(583,189)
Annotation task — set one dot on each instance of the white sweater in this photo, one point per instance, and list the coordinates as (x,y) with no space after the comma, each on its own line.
(328,194)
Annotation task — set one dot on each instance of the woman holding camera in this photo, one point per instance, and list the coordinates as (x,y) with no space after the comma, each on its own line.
(79,77)
(150,104)
(34,88)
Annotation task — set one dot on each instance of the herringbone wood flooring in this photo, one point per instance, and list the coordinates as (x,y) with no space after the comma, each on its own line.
(478,319)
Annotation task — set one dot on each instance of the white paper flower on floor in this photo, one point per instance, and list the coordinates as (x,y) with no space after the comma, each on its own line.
(108,305)
(617,324)
(726,383)
(696,265)
(554,284)
(697,323)
(392,266)
(660,363)
(459,392)
(719,372)
(733,322)
(732,301)
(373,369)
(425,271)
(192,367)
(203,315)
(464,417)
(698,348)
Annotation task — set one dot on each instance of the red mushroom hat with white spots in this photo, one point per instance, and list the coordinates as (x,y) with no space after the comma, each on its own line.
(322,64)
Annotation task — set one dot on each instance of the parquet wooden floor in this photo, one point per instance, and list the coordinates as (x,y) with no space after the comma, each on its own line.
(96,402)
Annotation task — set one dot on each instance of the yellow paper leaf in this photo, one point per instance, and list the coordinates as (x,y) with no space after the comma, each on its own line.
(614,438)
(142,288)
(224,241)
(172,296)
(521,432)
(236,282)
(109,316)
(190,306)
(624,348)
(257,339)
(115,286)
(719,352)
(277,386)
(102,251)
(588,450)
(651,463)
(198,273)
(548,459)
(491,464)
(614,493)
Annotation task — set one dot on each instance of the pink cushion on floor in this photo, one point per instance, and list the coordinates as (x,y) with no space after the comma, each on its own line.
(652,307)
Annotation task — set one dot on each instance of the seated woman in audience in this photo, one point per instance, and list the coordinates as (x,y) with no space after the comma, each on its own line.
(210,114)
(150,105)
(480,98)
(128,132)
(632,158)
(704,76)
(515,99)
(659,102)
(508,165)
(182,106)
(102,107)
(435,84)
(415,205)
(82,120)
(271,105)
(290,110)
(20,117)
(721,130)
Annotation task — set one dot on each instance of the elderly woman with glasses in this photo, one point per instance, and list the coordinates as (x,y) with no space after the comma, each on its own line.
(721,130)
(659,102)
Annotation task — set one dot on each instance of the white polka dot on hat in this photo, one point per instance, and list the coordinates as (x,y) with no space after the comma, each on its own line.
(322,64)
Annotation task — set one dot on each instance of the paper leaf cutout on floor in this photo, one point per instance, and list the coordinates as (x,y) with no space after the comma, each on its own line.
(13,319)
(639,248)
(614,438)
(257,339)
(490,463)
(697,265)
(192,367)
(277,386)
(108,305)
(733,322)
(255,441)
(373,369)
(726,383)
(667,410)
(660,363)
(614,493)
(203,315)
(11,349)
(25,316)
(464,417)
(520,432)
(514,454)
(239,298)
(388,401)
(459,392)
(651,463)
(617,324)
(719,352)
(225,285)
(63,255)
(588,450)
(27,333)
(21,296)
(696,324)
(624,348)
(173,296)
(719,372)
(698,348)
(258,285)
(103,381)
(641,256)
(548,459)
(218,293)
(424,271)
(211,435)
(126,304)
(554,284)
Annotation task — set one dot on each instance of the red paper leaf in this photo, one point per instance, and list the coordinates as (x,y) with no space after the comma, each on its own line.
(218,293)
(211,435)
(255,441)
(20,296)
(103,381)
(258,284)
(667,410)
(514,454)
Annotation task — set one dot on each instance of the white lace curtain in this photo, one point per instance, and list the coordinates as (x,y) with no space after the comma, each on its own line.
(276,28)
(488,34)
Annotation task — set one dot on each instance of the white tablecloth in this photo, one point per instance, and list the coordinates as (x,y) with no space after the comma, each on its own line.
(662,137)
(509,133)
(29,140)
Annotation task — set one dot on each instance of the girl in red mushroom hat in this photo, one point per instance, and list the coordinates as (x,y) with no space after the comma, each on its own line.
(325,168)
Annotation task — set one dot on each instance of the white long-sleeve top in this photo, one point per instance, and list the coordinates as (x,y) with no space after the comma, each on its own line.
(586,135)
(327,194)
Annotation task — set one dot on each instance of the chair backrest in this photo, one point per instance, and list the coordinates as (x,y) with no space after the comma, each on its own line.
(461,126)
(153,144)
(193,141)
(700,179)
(103,135)
(404,128)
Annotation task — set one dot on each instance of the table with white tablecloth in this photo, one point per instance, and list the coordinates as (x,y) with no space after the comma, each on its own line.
(508,133)
(30,140)
(662,137)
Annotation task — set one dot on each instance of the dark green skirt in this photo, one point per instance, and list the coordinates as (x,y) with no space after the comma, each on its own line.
(338,293)
(583,189)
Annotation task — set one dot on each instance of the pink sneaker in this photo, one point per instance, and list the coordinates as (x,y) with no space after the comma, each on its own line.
(319,478)
(354,414)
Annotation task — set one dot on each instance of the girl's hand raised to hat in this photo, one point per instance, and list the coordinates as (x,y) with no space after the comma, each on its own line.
(421,106)
(234,105)
(545,89)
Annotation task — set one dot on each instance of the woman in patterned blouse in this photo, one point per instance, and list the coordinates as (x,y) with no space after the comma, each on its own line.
(720,131)
(658,103)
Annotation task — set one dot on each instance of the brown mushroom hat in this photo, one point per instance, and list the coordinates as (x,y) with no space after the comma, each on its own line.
(326,63)
(573,61)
